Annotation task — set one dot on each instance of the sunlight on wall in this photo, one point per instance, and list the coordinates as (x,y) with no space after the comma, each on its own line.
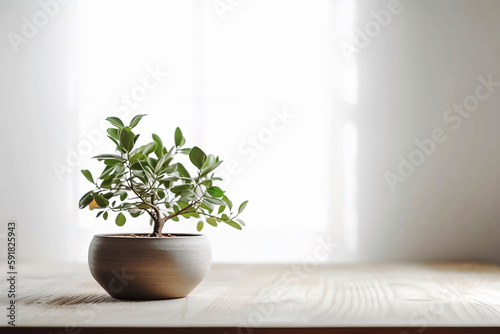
(250,86)
(345,104)
(350,137)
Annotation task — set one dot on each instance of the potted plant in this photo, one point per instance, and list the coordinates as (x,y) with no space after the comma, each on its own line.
(150,180)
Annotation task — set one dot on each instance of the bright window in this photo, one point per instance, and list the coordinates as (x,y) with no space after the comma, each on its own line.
(248,80)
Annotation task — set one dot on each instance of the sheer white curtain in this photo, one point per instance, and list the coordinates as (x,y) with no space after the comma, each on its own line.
(250,81)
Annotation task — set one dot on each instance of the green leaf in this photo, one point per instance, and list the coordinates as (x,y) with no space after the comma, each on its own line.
(105,215)
(143,206)
(241,222)
(208,169)
(136,166)
(182,170)
(209,161)
(160,193)
(136,157)
(161,163)
(101,200)
(159,145)
(108,170)
(107,183)
(170,178)
(147,169)
(127,139)
(228,202)
(88,175)
(119,148)
(85,200)
(152,162)
(221,209)
(140,175)
(185,151)
(108,195)
(207,206)
(190,215)
(215,201)
(115,121)
(111,162)
(136,214)
(188,194)
(215,192)
(120,219)
(207,183)
(199,227)
(179,188)
(113,133)
(148,148)
(233,224)
(242,207)
(212,221)
(109,157)
(170,153)
(179,138)
(168,170)
(123,196)
(182,204)
(197,157)
(136,120)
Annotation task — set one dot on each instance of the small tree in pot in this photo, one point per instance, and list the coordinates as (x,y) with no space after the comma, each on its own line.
(150,179)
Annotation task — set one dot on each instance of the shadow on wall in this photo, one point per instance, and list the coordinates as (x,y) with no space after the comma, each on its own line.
(418,81)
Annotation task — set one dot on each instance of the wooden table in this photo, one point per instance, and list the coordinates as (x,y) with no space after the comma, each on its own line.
(240,299)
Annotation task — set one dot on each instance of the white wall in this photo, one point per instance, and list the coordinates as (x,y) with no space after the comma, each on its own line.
(36,125)
(426,60)
(396,91)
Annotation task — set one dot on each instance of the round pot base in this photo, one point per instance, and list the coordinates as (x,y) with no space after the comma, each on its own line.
(143,268)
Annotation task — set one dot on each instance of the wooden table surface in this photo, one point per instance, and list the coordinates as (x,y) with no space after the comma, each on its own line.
(400,298)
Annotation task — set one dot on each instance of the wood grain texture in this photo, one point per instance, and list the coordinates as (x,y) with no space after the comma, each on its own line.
(248,298)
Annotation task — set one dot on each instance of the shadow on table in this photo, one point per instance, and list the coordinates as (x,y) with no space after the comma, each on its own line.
(77,299)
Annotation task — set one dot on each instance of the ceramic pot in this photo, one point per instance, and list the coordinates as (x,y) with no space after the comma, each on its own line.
(149,268)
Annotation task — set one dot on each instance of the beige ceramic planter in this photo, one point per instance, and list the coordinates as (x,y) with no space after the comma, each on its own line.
(149,268)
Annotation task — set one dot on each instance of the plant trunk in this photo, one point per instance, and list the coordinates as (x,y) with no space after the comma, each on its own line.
(158,226)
